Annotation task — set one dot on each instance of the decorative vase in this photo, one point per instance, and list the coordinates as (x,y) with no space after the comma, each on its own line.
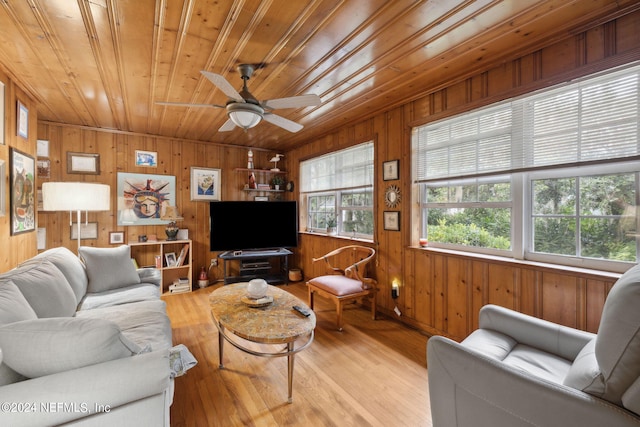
(203,279)
(172,231)
(257,288)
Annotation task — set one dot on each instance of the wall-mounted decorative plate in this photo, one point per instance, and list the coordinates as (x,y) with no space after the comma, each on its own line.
(392,196)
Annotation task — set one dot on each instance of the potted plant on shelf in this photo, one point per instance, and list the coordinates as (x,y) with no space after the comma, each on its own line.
(331,226)
(277,182)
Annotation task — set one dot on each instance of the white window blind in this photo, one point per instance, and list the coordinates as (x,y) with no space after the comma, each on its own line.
(594,119)
(344,169)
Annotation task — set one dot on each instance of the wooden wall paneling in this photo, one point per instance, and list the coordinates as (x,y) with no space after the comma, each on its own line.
(423,285)
(502,280)
(560,298)
(528,299)
(480,284)
(439,292)
(595,293)
(627,30)
(457,288)
(594,46)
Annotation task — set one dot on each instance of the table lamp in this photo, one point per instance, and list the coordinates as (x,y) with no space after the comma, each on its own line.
(76,196)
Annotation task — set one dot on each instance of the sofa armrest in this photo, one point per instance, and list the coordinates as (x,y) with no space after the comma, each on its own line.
(468,389)
(70,395)
(149,275)
(548,336)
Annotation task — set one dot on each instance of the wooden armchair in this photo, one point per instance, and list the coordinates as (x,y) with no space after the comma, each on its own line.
(348,284)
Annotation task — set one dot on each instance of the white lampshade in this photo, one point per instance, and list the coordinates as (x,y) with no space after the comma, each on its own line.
(245,115)
(76,196)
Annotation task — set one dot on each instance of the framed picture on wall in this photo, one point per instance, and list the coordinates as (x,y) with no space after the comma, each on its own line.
(116,237)
(205,184)
(392,220)
(23,121)
(2,113)
(390,170)
(146,158)
(23,192)
(3,193)
(143,198)
(84,163)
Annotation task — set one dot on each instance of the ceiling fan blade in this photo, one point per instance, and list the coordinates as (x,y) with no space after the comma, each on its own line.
(222,84)
(182,104)
(227,126)
(308,100)
(282,122)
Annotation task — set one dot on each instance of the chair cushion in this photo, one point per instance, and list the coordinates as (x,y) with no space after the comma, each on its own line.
(40,347)
(617,346)
(108,268)
(337,285)
(585,373)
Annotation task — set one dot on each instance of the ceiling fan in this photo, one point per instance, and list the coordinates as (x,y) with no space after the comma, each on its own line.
(244,110)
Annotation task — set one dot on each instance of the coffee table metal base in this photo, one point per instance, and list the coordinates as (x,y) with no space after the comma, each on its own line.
(288,350)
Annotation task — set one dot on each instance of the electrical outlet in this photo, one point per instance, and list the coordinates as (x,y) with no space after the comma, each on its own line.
(214,261)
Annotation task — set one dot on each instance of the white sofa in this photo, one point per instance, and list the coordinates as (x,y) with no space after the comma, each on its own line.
(518,370)
(84,343)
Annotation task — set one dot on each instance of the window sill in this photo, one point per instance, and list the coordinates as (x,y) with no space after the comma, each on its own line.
(335,236)
(556,268)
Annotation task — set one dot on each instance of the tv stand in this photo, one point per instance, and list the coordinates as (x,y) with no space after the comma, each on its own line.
(271,265)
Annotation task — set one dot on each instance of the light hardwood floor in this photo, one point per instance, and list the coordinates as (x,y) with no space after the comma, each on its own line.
(371,374)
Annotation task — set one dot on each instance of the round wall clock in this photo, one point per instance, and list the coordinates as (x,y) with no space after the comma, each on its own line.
(392,196)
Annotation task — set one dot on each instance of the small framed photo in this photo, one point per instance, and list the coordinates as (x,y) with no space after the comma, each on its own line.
(392,220)
(87,230)
(42,148)
(84,163)
(116,237)
(44,168)
(390,170)
(23,121)
(147,158)
(170,259)
(205,184)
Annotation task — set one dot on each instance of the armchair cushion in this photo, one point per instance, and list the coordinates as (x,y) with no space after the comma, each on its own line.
(585,373)
(40,347)
(337,285)
(108,268)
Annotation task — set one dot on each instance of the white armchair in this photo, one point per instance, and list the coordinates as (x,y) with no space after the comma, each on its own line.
(518,370)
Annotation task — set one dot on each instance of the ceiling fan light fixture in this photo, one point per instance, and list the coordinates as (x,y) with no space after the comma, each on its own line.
(245,115)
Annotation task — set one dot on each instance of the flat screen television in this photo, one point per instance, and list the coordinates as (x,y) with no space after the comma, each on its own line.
(244,225)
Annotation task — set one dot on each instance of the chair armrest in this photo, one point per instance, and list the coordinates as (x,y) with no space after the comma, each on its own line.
(548,336)
(468,389)
(77,393)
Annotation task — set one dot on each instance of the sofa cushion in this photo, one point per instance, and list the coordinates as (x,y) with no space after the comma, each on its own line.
(108,268)
(126,295)
(617,347)
(145,323)
(45,288)
(69,264)
(13,306)
(40,347)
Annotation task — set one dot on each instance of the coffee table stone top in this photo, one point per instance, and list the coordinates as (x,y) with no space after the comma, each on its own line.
(275,323)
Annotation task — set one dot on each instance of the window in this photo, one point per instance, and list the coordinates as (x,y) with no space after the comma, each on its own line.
(337,191)
(551,176)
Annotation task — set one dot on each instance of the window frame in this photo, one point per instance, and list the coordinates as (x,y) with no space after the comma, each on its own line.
(431,140)
(339,191)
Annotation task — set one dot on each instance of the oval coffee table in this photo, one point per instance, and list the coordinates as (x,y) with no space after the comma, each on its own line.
(276,323)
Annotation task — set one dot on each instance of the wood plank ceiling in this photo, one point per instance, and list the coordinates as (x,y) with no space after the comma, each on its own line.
(105,63)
